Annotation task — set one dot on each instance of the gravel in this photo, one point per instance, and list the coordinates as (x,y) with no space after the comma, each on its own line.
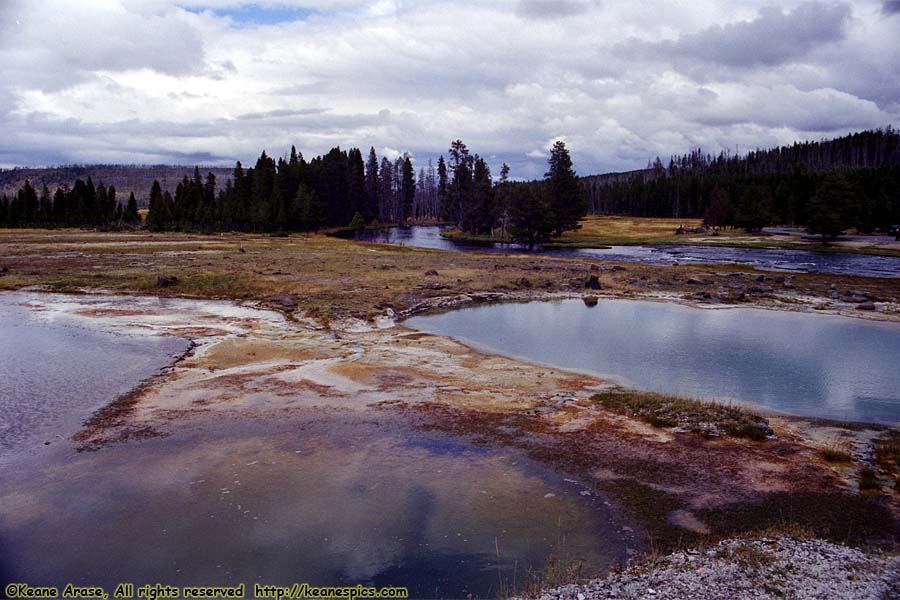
(775,568)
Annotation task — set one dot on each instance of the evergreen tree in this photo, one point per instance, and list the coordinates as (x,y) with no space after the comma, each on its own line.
(567,200)
(483,210)
(25,206)
(356,186)
(113,209)
(386,175)
(442,189)
(717,213)
(754,211)
(373,187)
(88,204)
(408,190)
(45,208)
(131,216)
(531,219)
(831,209)
(60,210)
(158,215)
(358,223)
(460,191)
(312,213)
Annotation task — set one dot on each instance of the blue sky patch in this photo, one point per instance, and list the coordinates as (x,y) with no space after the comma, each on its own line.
(253,14)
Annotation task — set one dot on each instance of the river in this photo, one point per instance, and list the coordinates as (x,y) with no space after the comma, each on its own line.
(767,259)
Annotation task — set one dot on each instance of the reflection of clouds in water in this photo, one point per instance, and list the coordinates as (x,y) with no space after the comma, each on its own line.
(808,364)
(340,503)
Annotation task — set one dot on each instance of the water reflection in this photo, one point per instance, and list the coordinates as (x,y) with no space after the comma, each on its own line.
(54,373)
(814,365)
(338,500)
(428,236)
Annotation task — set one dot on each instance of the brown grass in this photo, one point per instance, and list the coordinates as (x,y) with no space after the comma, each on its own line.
(336,278)
(704,417)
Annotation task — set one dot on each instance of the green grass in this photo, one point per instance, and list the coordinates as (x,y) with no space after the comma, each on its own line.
(703,417)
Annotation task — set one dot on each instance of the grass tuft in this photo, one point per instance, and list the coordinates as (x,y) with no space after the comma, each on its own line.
(836,454)
(868,480)
(707,418)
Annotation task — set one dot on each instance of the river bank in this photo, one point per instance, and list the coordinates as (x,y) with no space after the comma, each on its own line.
(599,231)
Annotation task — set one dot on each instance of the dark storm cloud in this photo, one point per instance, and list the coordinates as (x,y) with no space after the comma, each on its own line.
(891,7)
(773,38)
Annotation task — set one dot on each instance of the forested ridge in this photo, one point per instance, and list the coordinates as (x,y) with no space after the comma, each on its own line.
(829,186)
(338,189)
(126,179)
(859,174)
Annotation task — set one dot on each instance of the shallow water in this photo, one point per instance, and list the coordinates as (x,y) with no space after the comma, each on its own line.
(802,364)
(54,372)
(271,494)
(328,500)
(760,258)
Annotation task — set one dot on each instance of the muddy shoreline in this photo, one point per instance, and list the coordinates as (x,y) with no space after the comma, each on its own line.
(338,346)
(651,474)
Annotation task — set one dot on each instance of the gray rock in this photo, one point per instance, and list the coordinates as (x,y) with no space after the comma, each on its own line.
(866,306)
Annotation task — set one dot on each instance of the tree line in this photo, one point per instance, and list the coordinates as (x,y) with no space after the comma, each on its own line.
(82,205)
(853,181)
(338,189)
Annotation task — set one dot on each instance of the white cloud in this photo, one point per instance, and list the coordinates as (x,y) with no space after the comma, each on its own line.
(149,80)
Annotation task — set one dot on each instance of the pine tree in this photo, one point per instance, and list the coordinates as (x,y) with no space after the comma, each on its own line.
(442,188)
(483,209)
(832,208)
(408,190)
(157,215)
(60,210)
(356,185)
(385,208)
(460,192)
(754,210)
(45,208)
(113,209)
(567,201)
(530,215)
(312,212)
(358,223)
(717,214)
(28,201)
(373,187)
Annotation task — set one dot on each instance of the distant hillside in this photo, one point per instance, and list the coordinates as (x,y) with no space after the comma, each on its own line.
(779,183)
(125,178)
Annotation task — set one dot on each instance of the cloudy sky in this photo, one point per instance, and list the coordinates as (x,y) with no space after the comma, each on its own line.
(214,81)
